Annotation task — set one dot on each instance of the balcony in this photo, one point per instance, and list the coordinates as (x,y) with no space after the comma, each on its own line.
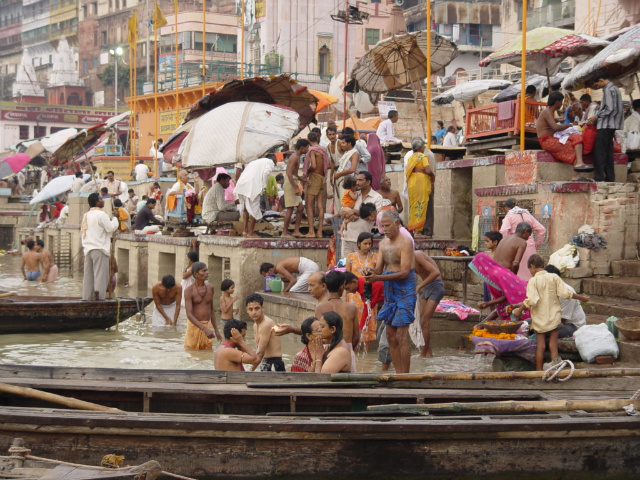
(560,15)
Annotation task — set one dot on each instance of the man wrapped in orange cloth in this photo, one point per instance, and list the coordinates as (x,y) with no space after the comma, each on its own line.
(198,301)
(569,152)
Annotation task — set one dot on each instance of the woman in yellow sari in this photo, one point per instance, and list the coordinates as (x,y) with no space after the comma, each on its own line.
(419,179)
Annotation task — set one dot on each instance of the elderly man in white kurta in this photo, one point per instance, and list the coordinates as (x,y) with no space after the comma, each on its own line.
(250,186)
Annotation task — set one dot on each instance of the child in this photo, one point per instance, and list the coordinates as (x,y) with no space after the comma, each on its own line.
(226,300)
(350,194)
(367,214)
(187,274)
(543,290)
(124,219)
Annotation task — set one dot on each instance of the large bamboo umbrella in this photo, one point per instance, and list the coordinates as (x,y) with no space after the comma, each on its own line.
(619,61)
(400,60)
(546,49)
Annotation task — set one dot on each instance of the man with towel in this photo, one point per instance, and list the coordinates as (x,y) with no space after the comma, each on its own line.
(396,268)
(166,297)
(249,188)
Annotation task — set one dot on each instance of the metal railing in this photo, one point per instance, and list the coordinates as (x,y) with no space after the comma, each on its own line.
(501,118)
(221,71)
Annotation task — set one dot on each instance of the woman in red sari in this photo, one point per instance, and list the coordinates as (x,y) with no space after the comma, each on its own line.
(302,360)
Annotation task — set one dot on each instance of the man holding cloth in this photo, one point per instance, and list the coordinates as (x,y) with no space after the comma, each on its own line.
(96,230)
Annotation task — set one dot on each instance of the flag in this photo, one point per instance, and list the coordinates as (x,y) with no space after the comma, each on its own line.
(133,30)
(158,19)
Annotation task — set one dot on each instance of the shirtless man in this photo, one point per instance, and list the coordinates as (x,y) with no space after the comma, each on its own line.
(304,267)
(333,151)
(315,180)
(432,288)
(234,350)
(50,268)
(292,192)
(32,260)
(388,194)
(571,151)
(268,348)
(396,268)
(511,248)
(198,302)
(166,297)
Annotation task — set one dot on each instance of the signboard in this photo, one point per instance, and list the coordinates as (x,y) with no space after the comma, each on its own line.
(261,8)
(56,113)
(384,107)
(168,121)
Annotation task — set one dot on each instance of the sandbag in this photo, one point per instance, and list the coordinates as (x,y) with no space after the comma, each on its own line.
(595,340)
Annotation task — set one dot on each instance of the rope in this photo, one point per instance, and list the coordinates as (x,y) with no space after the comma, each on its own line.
(552,372)
(117,312)
(60,462)
(636,396)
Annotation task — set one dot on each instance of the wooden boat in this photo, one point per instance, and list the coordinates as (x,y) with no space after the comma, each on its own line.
(26,314)
(211,424)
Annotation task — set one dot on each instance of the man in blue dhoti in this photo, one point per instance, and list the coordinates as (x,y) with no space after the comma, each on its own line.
(396,268)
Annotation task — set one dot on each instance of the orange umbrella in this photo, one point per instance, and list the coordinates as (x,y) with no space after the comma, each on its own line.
(324,99)
(363,126)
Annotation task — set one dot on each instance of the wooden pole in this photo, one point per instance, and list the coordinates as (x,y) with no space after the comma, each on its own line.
(155,99)
(523,73)
(346,47)
(132,159)
(601,405)
(112,253)
(595,23)
(428,52)
(53,398)
(586,373)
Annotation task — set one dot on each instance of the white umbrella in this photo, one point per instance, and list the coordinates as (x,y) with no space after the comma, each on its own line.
(55,187)
(54,141)
(237,132)
(469,90)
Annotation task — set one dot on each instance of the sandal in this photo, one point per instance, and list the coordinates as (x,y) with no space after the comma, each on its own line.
(584,168)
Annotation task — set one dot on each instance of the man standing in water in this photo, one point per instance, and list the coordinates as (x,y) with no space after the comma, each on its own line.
(166,297)
(50,268)
(198,302)
(96,230)
(31,260)
(396,268)
(268,348)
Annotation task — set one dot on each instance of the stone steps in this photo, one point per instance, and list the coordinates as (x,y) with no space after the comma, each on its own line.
(625,268)
(608,306)
(619,288)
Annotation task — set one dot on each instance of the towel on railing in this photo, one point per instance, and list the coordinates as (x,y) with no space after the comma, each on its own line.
(506,110)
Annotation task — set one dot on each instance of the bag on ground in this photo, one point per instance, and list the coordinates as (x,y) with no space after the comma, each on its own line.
(595,340)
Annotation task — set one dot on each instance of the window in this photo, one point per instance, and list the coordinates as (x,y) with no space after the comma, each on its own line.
(95,8)
(84,11)
(324,61)
(39,131)
(85,66)
(104,37)
(95,62)
(95,39)
(372,36)
(24,132)
(124,3)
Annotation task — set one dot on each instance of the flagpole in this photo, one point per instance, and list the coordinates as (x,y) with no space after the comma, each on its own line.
(204,43)
(175,6)
(242,43)
(155,96)
(132,96)
(523,71)
(346,45)
(428,52)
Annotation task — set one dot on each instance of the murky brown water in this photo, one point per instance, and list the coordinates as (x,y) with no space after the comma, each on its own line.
(135,344)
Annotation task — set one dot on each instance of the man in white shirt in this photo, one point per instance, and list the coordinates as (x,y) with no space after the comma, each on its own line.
(386,132)
(249,187)
(113,185)
(573,316)
(215,208)
(365,195)
(141,171)
(450,139)
(96,230)
(77,183)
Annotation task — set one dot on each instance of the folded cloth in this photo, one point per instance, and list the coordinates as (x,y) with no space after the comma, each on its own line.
(506,110)
(157,320)
(525,348)
(461,310)
(563,135)
(400,301)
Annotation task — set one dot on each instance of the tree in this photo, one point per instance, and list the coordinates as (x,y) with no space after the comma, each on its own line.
(107,76)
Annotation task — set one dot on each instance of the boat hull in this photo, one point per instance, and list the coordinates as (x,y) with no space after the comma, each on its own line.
(208,446)
(58,314)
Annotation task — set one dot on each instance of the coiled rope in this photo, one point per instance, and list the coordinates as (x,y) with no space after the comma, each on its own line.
(552,372)
(140,306)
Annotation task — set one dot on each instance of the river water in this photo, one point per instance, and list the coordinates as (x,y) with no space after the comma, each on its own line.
(135,344)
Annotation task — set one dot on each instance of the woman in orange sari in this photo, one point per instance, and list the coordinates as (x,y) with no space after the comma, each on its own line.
(419,179)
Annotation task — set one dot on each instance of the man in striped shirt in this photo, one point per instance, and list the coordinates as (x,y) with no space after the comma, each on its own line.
(608,119)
